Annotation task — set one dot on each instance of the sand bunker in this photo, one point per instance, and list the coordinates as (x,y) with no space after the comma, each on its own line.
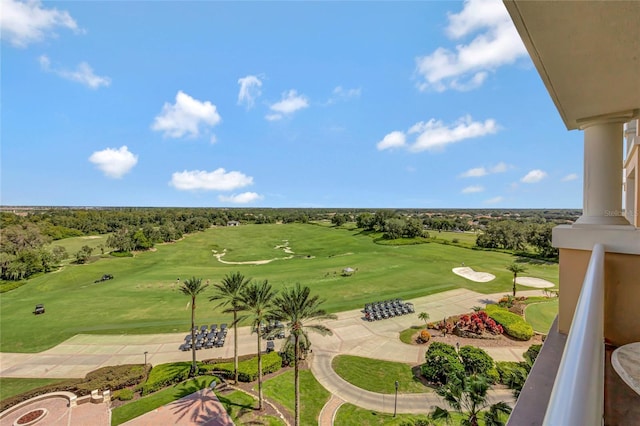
(249,262)
(534,282)
(470,274)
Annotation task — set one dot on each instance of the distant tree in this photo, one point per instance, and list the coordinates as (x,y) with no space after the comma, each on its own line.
(229,296)
(515,269)
(338,219)
(84,254)
(393,228)
(120,240)
(192,287)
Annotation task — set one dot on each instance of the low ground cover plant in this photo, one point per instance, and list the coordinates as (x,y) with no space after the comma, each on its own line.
(248,369)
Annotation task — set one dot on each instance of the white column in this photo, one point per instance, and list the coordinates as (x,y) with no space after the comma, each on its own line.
(602,202)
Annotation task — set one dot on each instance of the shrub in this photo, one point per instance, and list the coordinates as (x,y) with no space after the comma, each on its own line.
(445,347)
(164,375)
(532,353)
(114,377)
(440,365)
(121,254)
(248,370)
(441,361)
(493,376)
(475,360)
(513,374)
(514,325)
(123,394)
(478,323)
(424,336)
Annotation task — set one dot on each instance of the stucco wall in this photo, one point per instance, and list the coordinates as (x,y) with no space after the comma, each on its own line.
(622,293)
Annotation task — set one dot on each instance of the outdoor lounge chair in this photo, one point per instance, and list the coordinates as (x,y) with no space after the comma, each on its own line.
(271,346)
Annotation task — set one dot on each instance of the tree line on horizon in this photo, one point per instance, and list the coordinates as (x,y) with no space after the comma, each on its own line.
(25,237)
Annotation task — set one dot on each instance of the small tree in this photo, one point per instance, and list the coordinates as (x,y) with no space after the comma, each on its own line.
(424,317)
(515,269)
(84,254)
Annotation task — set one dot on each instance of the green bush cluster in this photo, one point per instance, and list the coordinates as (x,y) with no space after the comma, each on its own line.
(532,353)
(513,374)
(164,375)
(441,362)
(475,360)
(123,394)
(114,377)
(514,325)
(248,370)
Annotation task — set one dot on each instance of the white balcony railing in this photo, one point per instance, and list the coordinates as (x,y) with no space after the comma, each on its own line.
(577,397)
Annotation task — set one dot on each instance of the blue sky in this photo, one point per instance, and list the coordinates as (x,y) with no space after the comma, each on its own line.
(277,104)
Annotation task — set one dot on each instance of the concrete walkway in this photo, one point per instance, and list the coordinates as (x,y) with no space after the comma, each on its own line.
(351,335)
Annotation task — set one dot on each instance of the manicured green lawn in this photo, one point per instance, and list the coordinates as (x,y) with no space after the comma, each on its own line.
(312,395)
(10,386)
(240,406)
(143,297)
(151,402)
(377,376)
(406,335)
(541,315)
(351,415)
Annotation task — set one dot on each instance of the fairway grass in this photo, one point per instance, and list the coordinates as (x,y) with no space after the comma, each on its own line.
(144,298)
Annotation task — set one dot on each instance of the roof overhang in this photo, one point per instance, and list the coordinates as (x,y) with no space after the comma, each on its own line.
(587,54)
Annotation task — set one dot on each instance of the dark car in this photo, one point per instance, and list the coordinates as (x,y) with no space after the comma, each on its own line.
(39,309)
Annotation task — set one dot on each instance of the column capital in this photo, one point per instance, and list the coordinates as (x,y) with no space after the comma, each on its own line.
(614,117)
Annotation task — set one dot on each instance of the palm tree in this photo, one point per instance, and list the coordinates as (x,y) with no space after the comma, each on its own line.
(468,396)
(193,287)
(295,306)
(424,317)
(258,298)
(515,269)
(229,295)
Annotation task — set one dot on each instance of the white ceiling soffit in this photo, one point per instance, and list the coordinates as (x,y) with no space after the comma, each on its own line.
(587,53)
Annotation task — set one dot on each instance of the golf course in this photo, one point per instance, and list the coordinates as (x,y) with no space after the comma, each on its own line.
(143,296)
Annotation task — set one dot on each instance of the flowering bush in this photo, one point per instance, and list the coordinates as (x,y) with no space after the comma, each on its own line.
(478,323)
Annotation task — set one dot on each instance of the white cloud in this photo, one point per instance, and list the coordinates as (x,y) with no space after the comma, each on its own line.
(185,117)
(249,90)
(27,22)
(434,134)
(570,177)
(501,167)
(392,140)
(534,176)
(494,200)
(290,103)
(475,172)
(244,198)
(217,180)
(496,43)
(83,73)
(342,94)
(472,189)
(114,163)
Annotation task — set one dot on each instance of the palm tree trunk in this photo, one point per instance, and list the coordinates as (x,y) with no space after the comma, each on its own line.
(514,284)
(296,379)
(235,346)
(259,371)
(193,337)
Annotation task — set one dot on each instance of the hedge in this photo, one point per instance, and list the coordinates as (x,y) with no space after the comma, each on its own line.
(248,370)
(514,325)
(164,375)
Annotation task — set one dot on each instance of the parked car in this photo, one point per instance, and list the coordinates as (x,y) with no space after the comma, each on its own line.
(39,309)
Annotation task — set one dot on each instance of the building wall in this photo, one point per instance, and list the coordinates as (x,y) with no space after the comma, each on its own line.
(632,187)
(622,293)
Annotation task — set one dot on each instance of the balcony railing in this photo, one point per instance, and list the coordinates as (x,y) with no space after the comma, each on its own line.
(577,397)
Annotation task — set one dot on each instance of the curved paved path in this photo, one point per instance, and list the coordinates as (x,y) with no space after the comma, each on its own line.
(351,335)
